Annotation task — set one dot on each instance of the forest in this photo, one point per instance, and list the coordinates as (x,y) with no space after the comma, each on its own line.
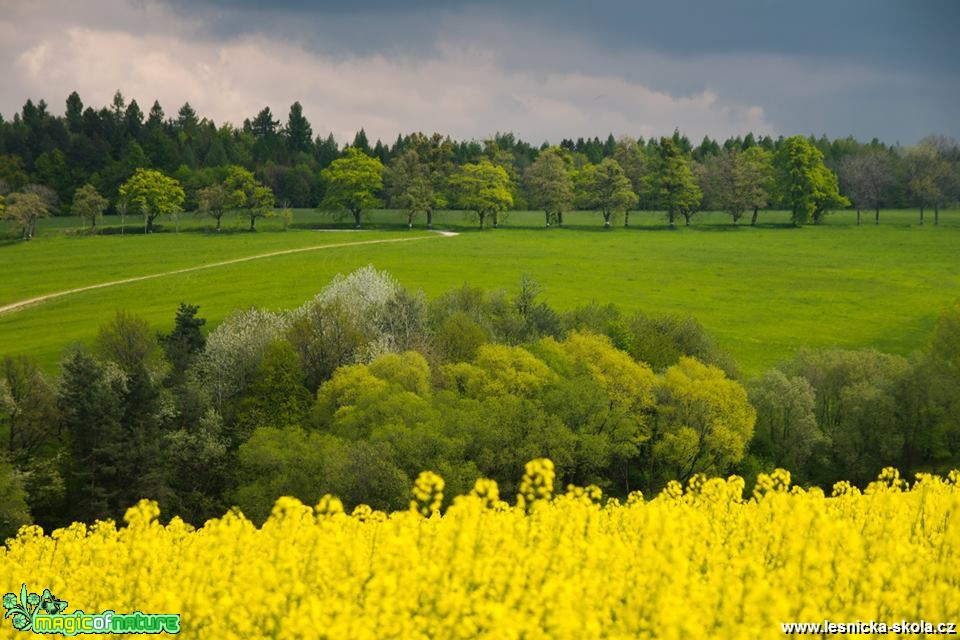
(85,163)
(364,386)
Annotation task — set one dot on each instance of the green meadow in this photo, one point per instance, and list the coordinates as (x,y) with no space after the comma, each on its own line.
(763,292)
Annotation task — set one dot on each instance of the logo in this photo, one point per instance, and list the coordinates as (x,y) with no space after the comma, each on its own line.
(44,613)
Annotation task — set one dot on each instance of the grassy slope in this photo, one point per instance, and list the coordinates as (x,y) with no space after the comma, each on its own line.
(763,292)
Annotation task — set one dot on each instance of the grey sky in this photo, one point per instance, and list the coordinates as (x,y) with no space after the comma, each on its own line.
(544,70)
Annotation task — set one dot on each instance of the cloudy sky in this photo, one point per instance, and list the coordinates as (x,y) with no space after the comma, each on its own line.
(543,69)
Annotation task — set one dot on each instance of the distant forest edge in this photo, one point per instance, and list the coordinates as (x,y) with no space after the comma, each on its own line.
(119,160)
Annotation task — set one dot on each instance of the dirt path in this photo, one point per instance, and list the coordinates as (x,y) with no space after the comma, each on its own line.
(17,306)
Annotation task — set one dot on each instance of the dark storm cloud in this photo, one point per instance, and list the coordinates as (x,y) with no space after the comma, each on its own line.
(888,31)
(545,70)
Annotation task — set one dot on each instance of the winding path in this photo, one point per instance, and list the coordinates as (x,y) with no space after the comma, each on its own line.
(29,302)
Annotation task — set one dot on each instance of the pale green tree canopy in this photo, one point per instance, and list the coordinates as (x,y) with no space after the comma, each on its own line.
(484,189)
(246,193)
(153,194)
(352,183)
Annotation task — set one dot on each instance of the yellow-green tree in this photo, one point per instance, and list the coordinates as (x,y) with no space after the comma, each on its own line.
(247,194)
(704,421)
(483,189)
(807,187)
(153,194)
(352,183)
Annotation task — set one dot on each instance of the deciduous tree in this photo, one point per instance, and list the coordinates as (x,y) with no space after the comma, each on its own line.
(868,180)
(733,182)
(24,209)
(671,184)
(604,188)
(153,194)
(807,187)
(410,188)
(484,189)
(89,205)
(352,183)
(549,183)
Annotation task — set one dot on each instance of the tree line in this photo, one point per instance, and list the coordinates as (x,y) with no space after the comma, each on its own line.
(48,161)
(362,387)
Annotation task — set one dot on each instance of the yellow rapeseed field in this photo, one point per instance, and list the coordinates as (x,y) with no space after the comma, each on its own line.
(701,561)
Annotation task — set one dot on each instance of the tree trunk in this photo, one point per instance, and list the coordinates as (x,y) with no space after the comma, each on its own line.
(559,218)
(429,219)
(496,219)
(921,214)
(858,216)
(218,223)
(626,218)
(356,218)
(670,217)
(546,219)
(253,223)
(753,220)
(936,214)
(877,215)
(482,217)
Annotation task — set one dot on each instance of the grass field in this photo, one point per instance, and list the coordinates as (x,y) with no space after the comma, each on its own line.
(763,292)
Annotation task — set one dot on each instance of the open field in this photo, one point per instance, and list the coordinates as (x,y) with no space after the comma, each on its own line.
(763,292)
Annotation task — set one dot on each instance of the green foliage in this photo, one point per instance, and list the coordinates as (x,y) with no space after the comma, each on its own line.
(23,210)
(215,201)
(186,341)
(858,408)
(736,181)
(14,512)
(89,205)
(459,336)
(549,184)
(786,432)
(152,194)
(90,403)
(606,189)
(351,184)
(484,189)
(807,187)
(128,341)
(200,466)
(411,188)
(670,183)
(247,194)
(277,396)
(704,422)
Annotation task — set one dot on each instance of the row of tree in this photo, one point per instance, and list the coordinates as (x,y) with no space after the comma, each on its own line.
(421,180)
(105,147)
(368,384)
